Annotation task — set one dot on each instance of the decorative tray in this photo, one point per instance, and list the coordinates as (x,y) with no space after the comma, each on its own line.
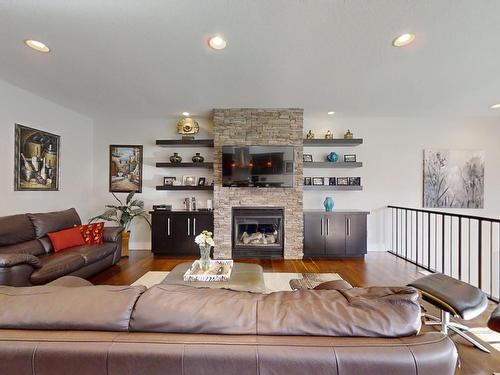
(218,270)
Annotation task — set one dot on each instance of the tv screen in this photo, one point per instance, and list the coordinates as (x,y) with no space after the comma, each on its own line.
(258,166)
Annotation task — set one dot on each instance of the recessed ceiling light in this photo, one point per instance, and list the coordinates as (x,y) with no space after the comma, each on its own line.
(495,106)
(403,40)
(217,42)
(37,46)
(331,113)
(185,114)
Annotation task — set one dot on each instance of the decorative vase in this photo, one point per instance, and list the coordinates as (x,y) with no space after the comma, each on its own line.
(329,134)
(348,134)
(328,203)
(125,242)
(205,256)
(198,158)
(175,158)
(332,157)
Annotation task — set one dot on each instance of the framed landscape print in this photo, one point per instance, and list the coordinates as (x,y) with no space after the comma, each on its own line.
(36,163)
(125,168)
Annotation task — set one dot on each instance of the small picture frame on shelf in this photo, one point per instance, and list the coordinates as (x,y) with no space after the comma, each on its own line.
(168,181)
(318,181)
(354,181)
(307,158)
(342,181)
(350,158)
(189,180)
(202,181)
(307,181)
(332,181)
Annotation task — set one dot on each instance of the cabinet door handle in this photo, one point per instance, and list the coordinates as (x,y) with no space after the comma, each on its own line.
(168,227)
(194,227)
(328,226)
(348,226)
(321,228)
(189,226)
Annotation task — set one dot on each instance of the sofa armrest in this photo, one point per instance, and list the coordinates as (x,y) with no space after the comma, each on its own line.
(10,260)
(112,234)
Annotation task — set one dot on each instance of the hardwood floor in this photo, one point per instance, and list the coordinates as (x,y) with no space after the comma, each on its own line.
(377,269)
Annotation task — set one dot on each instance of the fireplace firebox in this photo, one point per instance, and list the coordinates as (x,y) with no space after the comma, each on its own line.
(257,233)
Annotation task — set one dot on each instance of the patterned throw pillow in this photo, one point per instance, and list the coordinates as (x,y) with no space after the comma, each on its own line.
(92,233)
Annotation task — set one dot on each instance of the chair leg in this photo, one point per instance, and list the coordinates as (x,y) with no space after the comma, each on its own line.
(458,328)
(470,339)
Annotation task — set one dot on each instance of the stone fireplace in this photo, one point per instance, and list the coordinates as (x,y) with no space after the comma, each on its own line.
(249,127)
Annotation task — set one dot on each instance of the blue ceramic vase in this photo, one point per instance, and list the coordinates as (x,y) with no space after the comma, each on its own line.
(333,157)
(328,203)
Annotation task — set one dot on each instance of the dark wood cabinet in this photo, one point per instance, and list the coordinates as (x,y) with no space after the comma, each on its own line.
(173,232)
(337,234)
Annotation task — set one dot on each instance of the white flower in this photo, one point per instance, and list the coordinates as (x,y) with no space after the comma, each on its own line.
(205,238)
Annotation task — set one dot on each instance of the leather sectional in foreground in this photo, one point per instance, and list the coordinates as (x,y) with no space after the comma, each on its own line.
(173,329)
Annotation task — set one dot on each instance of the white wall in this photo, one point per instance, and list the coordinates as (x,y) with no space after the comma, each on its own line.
(19,106)
(145,131)
(392,156)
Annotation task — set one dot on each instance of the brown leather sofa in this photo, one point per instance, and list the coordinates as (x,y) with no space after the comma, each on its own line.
(28,258)
(172,329)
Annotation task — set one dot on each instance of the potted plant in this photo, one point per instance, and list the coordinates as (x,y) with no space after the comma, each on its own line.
(205,241)
(124,214)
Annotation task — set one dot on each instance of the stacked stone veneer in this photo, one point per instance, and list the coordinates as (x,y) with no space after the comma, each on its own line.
(248,126)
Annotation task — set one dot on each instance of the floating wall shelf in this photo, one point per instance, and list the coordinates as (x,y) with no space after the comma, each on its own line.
(185,165)
(185,143)
(333,187)
(327,164)
(183,187)
(339,142)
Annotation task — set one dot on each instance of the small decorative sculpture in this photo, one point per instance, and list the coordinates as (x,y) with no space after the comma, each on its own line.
(310,135)
(332,157)
(329,135)
(188,127)
(348,134)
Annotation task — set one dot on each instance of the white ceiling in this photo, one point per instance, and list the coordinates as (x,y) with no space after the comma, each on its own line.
(149,57)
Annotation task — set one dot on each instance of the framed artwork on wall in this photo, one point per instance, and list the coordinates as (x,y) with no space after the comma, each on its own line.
(36,163)
(125,168)
(454,178)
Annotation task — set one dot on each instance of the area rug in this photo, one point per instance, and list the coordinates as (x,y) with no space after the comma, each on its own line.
(274,281)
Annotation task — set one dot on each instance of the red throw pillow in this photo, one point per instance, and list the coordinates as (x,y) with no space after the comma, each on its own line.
(65,239)
(92,233)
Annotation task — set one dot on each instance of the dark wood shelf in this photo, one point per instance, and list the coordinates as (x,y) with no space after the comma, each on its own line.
(185,165)
(183,187)
(185,143)
(333,187)
(328,164)
(338,142)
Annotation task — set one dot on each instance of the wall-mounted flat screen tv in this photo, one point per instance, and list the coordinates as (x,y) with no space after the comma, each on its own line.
(258,166)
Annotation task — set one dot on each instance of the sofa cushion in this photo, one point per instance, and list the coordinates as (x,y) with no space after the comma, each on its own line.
(15,229)
(33,247)
(93,253)
(56,265)
(67,238)
(70,281)
(48,222)
(366,312)
(93,308)
(92,233)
